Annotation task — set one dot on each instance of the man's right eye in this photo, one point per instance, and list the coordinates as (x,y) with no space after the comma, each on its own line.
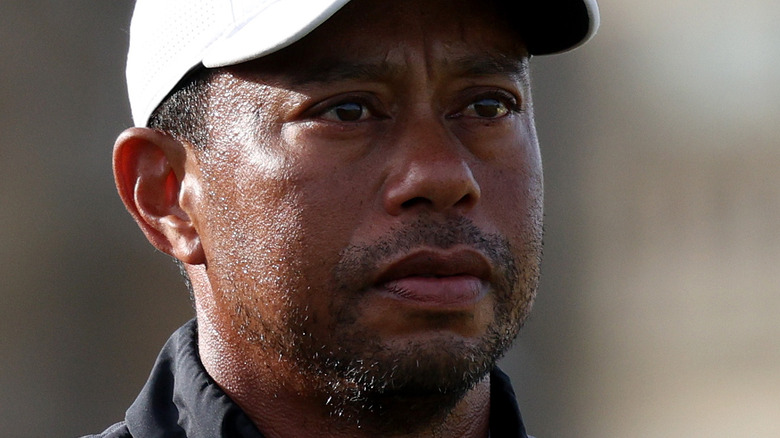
(347,112)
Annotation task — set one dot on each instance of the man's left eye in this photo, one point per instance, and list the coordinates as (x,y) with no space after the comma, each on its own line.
(347,112)
(487,108)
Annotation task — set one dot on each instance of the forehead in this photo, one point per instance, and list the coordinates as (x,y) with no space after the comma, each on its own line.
(374,38)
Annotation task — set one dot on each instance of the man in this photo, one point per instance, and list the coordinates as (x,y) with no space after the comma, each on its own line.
(354,191)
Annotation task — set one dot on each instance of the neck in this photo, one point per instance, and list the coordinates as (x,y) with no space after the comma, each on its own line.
(292,412)
(286,406)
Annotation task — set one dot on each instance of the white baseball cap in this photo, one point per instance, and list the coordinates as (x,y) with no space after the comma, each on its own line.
(169,38)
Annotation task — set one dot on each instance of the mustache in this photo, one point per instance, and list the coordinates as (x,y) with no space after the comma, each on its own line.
(357,263)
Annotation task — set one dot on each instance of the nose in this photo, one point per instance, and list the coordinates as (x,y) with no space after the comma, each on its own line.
(430,170)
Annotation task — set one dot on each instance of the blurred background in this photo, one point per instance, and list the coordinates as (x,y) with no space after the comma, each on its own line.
(658,310)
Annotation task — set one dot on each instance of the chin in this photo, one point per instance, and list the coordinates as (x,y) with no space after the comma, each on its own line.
(425,374)
(421,366)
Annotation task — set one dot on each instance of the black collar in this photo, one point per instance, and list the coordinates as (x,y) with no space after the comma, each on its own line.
(180,399)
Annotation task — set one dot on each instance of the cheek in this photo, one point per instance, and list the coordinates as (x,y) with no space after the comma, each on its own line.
(252,236)
(274,239)
(338,184)
(512,199)
(513,192)
(252,202)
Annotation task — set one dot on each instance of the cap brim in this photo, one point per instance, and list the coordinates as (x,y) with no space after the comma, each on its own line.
(556,26)
(270,28)
(548,26)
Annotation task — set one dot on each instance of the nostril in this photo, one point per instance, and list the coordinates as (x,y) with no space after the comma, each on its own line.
(419,200)
(467,200)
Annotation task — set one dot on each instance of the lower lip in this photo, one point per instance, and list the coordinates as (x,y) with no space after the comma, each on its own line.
(455,291)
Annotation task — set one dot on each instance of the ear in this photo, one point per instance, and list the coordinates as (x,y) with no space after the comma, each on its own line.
(149,170)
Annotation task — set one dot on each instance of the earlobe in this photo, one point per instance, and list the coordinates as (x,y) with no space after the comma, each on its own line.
(149,171)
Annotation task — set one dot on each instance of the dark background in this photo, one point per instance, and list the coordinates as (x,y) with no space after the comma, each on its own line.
(657,315)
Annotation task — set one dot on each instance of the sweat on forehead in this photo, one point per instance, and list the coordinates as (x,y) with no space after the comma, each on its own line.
(330,69)
(347,46)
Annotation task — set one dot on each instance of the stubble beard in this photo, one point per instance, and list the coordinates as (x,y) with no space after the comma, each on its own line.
(360,378)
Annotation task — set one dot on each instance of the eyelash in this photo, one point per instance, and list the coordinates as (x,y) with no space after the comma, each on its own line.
(367,106)
(505,98)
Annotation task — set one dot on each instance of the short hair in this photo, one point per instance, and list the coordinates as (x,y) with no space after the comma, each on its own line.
(184,112)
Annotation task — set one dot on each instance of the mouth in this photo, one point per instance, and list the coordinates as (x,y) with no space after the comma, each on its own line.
(438,279)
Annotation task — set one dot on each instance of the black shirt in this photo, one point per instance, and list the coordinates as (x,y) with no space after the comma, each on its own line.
(180,399)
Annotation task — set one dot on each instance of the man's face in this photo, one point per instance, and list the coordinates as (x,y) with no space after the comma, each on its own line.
(372,201)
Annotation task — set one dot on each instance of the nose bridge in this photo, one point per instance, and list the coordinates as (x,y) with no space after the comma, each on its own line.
(431,169)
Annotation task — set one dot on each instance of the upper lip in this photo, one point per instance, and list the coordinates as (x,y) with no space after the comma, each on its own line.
(436,263)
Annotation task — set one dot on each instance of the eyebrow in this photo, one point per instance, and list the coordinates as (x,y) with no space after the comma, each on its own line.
(332,70)
(485,64)
(492,64)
